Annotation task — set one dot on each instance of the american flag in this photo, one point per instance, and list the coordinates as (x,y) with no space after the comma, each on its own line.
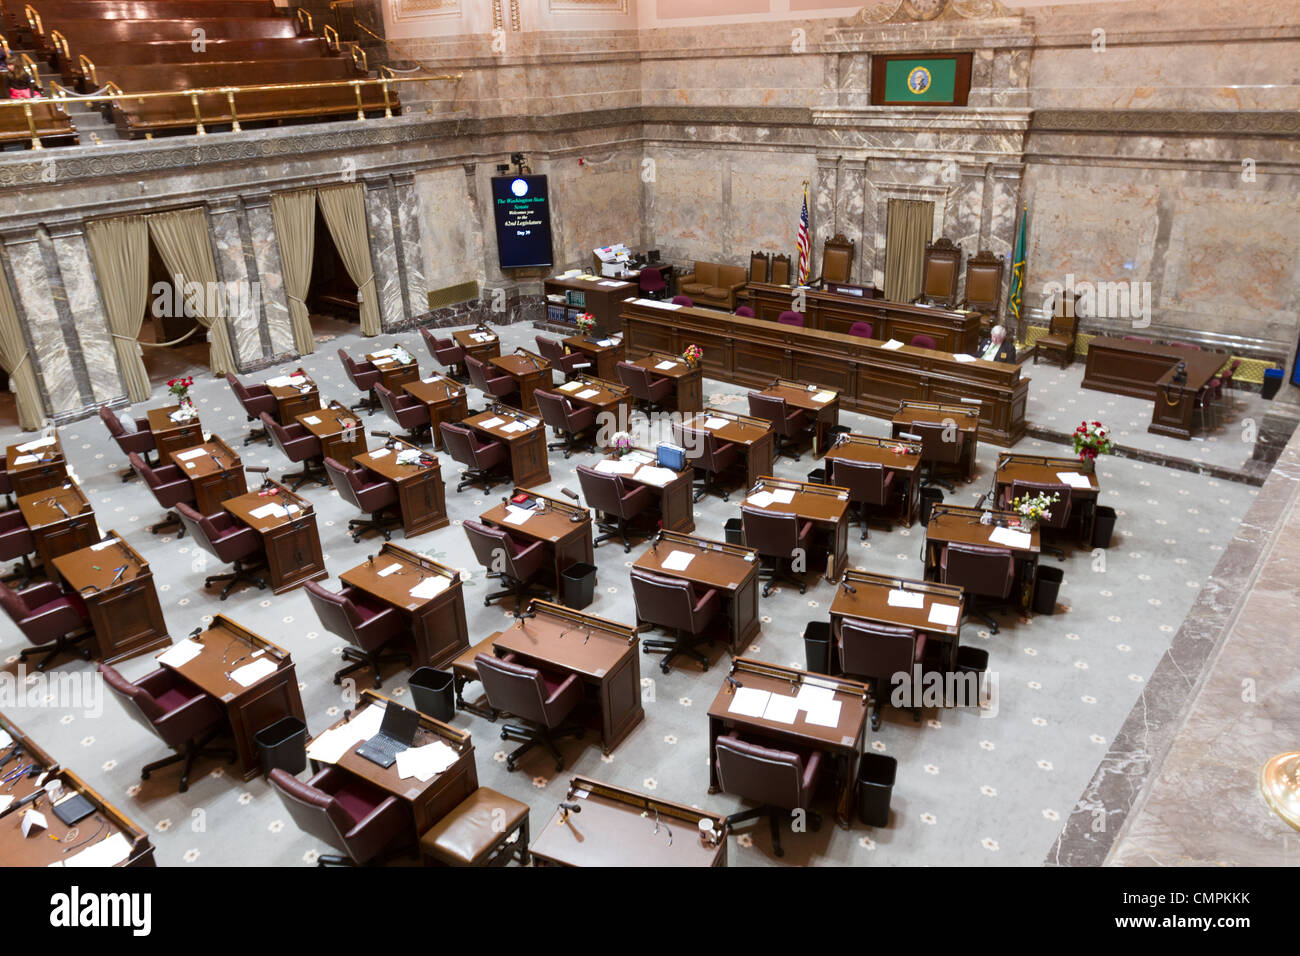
(804,241)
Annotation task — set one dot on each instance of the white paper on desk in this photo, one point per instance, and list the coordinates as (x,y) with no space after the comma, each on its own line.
(430,587)
(640,458)
(425,763)
(515,427)
(813,695)
(749,701)
(944,615)
(1011,537)
(379,453)
(782,708)
(492,423)
(822,398)
(310,420)
(330,746)
(782,496)
(760,499)
(517,515)
(900,598)
(109,851)
(391,569)
(25,459)
(383,361)
(268,511)
(612,283)
(825,713)
(408,456)
(5,741)
(589,393)
(664,366)
(892,344)
(280,381)
(180,653)
(961,357)
(1073,479)
(570,386)
(714,422)
(678,561)
(530,423)
(37,443)
(192,453)
(292,510)
(605,343)
(101,546)
(5,800)
(250,674)
(34,820)
(607,466)
(653,475)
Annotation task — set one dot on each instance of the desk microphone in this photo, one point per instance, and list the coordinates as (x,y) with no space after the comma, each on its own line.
(848,587)
(566,809)
(910,436)
(733,682)
(194,634)
(570,494)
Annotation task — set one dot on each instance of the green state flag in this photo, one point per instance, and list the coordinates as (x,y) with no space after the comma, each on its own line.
(921,80)
(1015,301)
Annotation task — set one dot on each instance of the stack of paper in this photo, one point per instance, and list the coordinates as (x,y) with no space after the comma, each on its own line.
(892,344)
(250,674)
(311,420)
(678,561)
(900,598)
(822,398)
(391,569)
(25,459)
(35,444)
(180,653)
(517,515)
(760,499)
(589,393)
(652,475)
(664,366)
(330,746)
(713,422)
(430,587)
(192,453)
(782,496)
(515,427)
(1073,479)
(570,386)
(272,510)
(1011,537)
(616,466)
(109,851)
(493,422)
(944,614)
(102,545)
(379,453)
(280,381)
(959,357)
(749,702)
(425,763)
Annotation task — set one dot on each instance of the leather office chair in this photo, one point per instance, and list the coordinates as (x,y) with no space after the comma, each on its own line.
(568,364)
(139,441)
(790,317)
(862,330)
(574,424)
(230,543)
(877,652)
(651,283)
(517,565)
(494,387)
(780,780)
(170,486)
(713,458)
(46,615)
(364,376)
(983,571)
(406,411)
(789,425)
(300,446)
(745,312)
(685,300)
(1059,513)
(939,447)
(648,391)
(16,544)
(7,485)
(346,812)
(366,492)
(776,536)
(540,698)
(255,399)
(447,353)
(674,603)
(922,341)
(184,717)
(870,486)
(613,499)
(369,626)
(484,461)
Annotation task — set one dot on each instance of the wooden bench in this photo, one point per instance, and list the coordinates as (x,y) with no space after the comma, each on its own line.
(152,77)
(137,117)
(52,124)
(52,11)
(90,33)
(215,51)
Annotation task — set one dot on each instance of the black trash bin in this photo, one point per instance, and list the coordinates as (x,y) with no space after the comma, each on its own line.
(817,476)
(433,693)
(578,585)
(734,530)
(973,660)
(929,498)
(876,775)
(1046,589)
(1103,526)
(282,746)
(817,646)
(1272,382)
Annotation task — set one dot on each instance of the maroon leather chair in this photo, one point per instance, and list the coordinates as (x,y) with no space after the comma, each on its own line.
(366,492)
(255,399)
(870,486)
(369,626)
(407,412)
(484,461)
(940,446)
(650,283)
(713,457)
(540,698)
(790,317)
(46,615)
(776,536)
(170,486)
(494,387)
(300,446)
(1058,515)
(877,652)
(648,391)
(517,565)
(16,544)
(789,426)
(616,504)
(675,604)
(365,376)
(349,814)
(574,424)
(745,312)
(862,330)
(922,341)
(230,542)
(446,352)
(983,571)
(139,441)
(685,300)
(780,780)
(184,717)
(567,364)
(7,486)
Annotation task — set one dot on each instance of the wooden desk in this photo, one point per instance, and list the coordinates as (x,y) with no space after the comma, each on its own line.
(619,827)
(676,498)
(588,295)
(826,506)
(530,372)
(606,660)
(292,542)
(567,542)
(965,418)
(605,397)
(125,613)
(526,448)
(170,436)
(444,397)
(1146,370)
(953,523)
(905,463)
(438,622)
(60,519)
(226,647)
(688,380)
(755,436)
(842,743)
(733,570)
(1039,468)
(485,350)
(812,400)
(392,373)
(300,395)
(333,426)
(216,473)
(604,358)
(869,601)
(421,497)
(432,800)
(48,467)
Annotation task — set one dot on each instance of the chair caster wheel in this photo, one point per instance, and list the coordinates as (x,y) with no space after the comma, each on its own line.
(487,602)
(803,589)
(510,766)
(503,735)
(559,765)
(664,667)
(644,649)
(704,668)
(875,721)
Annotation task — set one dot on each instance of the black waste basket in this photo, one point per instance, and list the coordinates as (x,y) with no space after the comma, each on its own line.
(433,693)
(973,660)
(1046,589)
(578,585)
(282,746)
(1272,382)
(817,476)
(1103,526)
(817,646)
(876,774)
(929,498)
(734,530)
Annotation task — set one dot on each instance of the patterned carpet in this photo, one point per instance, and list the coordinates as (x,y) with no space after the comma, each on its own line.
(973,788)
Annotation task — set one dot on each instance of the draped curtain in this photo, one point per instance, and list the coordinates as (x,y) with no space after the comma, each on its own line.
(182,241)
(909,226)
(344,210)
(17,363)
(120,248)
(294,214)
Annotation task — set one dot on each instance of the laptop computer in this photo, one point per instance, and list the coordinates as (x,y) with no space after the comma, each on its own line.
(396,733)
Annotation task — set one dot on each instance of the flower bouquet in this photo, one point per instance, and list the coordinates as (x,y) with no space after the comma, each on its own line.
(586,323)
(180,387)
(692,355)
(1090,440)
(621,442)
(1034,508)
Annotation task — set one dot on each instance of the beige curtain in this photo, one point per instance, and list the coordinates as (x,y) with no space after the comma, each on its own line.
(908,228)
(182,241)
(295,229)
(17,363)
(344,208)
(120,249)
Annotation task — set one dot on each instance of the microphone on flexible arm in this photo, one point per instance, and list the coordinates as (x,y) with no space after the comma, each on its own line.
(848,587)
(733,683)
(566,809)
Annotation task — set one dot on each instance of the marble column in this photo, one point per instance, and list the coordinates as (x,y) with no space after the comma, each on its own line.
(409,246)
(262,249)
(383,252)
(86,312)
(246,332)
(35,302)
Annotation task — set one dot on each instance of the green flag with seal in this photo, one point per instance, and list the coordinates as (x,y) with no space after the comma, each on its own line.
(1015,301)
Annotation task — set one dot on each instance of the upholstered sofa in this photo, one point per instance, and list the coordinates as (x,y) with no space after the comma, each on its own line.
(713,284)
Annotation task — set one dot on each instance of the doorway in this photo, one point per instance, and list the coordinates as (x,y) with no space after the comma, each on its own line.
(331,294)
(166,320)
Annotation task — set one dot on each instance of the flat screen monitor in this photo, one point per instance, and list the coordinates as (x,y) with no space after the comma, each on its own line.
(522,213)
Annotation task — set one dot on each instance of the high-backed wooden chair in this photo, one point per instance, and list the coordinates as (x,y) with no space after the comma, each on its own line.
(780,269)
(837,260)
(984,284)
(942,268)
(760,266)
(1059,339)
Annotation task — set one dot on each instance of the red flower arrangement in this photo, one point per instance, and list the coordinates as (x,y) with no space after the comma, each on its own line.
(180,387)
(1090,440)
